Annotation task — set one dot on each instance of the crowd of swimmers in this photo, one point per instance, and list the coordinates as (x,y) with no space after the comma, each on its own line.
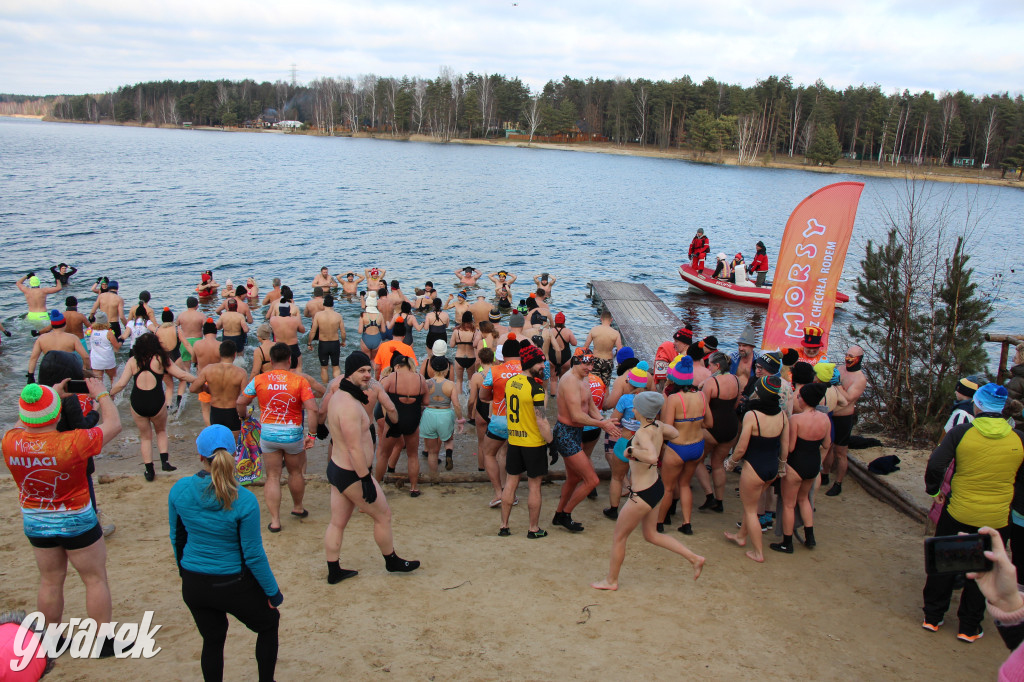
(532,390)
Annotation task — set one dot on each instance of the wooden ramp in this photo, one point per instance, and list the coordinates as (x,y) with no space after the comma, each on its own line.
(644,321)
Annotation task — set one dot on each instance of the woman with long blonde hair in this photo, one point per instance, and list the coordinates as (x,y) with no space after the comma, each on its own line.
(215,533)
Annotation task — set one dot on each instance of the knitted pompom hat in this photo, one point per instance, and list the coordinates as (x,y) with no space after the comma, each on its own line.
(38,405)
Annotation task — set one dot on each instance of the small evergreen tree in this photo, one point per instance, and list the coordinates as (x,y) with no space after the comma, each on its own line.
(955,333)
(921,320)
(824,148)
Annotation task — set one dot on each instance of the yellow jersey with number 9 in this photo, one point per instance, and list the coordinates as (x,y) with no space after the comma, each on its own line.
(523,397)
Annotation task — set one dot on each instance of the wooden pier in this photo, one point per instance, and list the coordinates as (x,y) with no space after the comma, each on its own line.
(644,321)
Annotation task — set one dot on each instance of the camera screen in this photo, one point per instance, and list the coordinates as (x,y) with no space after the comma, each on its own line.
(957,555)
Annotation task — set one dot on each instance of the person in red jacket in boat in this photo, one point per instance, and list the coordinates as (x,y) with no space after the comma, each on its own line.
(699,248)
(759,266)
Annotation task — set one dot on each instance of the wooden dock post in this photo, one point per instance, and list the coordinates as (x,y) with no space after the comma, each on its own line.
(1004,352)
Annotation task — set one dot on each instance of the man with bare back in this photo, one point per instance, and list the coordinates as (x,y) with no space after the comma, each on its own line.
(349,472)
(206,351)
(55,339)
(190,330)
(76,321)
(315,304)
(233,326)
(607,341)
(35,298)
(329,329)
(576,409)
(113,305)
(223,381)
(287,328)
(241,305)
(480,308)
(274,294)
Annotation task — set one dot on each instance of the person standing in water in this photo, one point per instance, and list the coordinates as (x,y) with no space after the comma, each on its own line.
(35,298)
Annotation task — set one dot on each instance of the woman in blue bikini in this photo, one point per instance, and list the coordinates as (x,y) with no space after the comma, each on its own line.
(686,409)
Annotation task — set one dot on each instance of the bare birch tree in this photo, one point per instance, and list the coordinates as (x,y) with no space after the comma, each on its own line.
(990,132)
(419,100)
(746,147)
(794,123)
(949,114)
(532,115)
(485,94)
(641,102)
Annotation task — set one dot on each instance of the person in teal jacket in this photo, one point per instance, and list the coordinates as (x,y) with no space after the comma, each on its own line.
(215,532)
(988,456)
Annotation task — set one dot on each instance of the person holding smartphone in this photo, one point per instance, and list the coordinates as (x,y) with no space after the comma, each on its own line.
(1005,602)
(988,456)
(58,516)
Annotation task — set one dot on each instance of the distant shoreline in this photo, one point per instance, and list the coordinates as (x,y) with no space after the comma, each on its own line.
(843,166)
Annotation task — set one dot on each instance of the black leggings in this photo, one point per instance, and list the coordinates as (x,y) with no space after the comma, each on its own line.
(210,598)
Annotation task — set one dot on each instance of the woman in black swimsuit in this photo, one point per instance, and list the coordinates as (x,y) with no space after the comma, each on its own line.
(808,437)
(465,339)
(765,429)
(560,340)
(437,325)
(408,391)
(147,367)
(647,491)
(722,390)
(409,320)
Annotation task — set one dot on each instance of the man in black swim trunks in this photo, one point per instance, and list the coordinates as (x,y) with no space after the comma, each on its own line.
(224,381)
(349,472)
(328,329)
(852,383)
(287,327)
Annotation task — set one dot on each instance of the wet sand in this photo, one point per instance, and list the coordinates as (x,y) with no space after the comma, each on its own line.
(486,607)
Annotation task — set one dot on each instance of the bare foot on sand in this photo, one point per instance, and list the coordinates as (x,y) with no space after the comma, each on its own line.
(605,585)
(698,566)
(759,558)
(735,538)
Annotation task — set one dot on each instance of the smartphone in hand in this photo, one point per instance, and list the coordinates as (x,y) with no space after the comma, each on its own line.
(76,386)
(952,554)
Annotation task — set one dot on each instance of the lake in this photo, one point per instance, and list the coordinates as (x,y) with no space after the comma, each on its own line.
(153,208)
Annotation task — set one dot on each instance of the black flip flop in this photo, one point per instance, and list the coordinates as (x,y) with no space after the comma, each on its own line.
(270,527)
(303,514)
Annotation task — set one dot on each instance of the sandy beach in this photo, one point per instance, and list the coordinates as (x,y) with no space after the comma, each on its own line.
(486,607)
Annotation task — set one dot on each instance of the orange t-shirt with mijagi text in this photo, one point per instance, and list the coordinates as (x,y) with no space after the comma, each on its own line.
(49,467)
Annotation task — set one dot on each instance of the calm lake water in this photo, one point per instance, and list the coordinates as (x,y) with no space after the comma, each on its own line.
(152,208)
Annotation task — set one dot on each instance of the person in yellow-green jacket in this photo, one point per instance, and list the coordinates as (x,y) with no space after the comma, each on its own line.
(988,456)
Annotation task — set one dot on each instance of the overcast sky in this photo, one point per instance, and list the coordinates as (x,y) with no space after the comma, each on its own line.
(64,46)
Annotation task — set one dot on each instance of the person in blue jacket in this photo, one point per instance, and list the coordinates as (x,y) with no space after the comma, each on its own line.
(215,532)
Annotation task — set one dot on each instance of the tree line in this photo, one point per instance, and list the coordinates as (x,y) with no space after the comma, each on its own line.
(773,117)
